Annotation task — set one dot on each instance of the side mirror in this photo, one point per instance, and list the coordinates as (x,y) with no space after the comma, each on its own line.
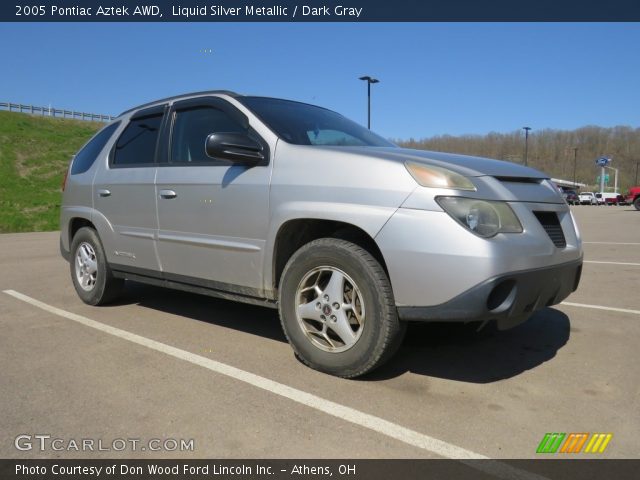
(240,148)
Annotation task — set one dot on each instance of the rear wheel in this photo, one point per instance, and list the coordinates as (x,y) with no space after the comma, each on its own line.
(337,308)
(636,203)
(90,273)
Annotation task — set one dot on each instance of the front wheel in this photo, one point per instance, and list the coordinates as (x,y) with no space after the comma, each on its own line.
(636,203)
(337,308)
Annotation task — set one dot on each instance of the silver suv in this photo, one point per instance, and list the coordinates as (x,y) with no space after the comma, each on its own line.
(295,207)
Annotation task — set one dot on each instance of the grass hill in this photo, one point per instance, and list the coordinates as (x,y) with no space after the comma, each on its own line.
(34,154)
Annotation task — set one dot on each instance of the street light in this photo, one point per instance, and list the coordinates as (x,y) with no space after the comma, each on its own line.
(575,157)
(526,144)
(369,81)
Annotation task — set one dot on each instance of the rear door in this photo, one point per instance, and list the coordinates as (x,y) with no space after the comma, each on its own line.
(213,216)
(124,194)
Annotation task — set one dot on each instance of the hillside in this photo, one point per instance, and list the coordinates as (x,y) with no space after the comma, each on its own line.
(34,153)
(552,151)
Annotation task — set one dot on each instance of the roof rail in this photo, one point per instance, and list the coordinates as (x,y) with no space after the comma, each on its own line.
(184,95)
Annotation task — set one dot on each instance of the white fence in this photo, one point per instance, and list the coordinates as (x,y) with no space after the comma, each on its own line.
(54,112)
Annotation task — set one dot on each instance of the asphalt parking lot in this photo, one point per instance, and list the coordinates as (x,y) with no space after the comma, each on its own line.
(221,373)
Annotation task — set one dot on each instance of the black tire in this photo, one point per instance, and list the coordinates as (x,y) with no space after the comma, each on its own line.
(380,333)
(104,288)
(636,203)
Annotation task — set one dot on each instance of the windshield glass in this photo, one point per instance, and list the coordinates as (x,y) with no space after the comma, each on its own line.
(303,124)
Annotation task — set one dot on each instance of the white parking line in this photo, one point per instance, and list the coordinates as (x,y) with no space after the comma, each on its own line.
(600,307)
(613,263)
(357,417)
(612,243)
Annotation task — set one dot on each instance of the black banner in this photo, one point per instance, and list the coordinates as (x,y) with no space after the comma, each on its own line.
(537,469)
(318,11)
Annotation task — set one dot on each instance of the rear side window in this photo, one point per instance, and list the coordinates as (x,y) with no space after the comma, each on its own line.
(137,144)
(85,157)
(191,129)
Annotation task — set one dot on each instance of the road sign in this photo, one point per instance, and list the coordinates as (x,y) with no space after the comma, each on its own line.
(603,161)
(606,178)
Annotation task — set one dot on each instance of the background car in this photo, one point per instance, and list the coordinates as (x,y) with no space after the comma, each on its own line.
(571,197)
(608,198)
(621,200)
(633,197)
(588,198)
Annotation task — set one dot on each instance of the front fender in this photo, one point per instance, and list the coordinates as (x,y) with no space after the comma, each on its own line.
(368,218)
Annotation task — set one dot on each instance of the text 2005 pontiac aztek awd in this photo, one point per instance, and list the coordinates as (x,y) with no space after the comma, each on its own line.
(293,206)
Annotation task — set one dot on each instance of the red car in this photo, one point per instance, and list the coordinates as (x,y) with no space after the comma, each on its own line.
(633,197)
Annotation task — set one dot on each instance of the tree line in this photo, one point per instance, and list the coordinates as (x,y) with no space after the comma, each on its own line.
(552,151)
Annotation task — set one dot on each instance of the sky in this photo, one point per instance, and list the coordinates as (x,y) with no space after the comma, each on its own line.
(435,78)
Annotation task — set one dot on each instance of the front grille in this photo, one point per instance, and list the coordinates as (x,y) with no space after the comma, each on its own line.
(551,224)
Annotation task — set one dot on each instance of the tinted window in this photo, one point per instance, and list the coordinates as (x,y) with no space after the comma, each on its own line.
(137,144)
(332,137)
(304,124)
(85,157)
(191,129)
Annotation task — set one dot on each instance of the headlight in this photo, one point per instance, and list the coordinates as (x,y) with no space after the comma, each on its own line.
(482,217)
(438,177)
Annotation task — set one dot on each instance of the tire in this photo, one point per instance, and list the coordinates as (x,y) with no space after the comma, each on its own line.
(636,203)
(328,288)
(90,272)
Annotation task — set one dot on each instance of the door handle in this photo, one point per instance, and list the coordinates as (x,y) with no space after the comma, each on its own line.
(103,192)
(168,194)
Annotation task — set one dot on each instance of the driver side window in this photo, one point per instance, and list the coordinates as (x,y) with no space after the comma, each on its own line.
(190,130)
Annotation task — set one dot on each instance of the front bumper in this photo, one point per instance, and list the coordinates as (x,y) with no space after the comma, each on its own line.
(510,299)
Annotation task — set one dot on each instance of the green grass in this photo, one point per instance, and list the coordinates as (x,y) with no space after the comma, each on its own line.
(34,155)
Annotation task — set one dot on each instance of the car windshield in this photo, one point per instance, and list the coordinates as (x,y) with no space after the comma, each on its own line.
(303,124)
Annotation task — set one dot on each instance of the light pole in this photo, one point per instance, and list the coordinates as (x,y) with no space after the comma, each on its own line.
(636,182)
(575,158)
(369,81)
(526,144)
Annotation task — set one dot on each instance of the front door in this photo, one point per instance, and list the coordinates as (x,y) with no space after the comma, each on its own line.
(213,216)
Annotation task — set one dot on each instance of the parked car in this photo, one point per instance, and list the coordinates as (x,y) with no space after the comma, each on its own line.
(621,200)
(292,206)
(571,197)
(609,198)
(633,197)
(588,198)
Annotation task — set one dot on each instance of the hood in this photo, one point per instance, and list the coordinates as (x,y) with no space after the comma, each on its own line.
(463,164)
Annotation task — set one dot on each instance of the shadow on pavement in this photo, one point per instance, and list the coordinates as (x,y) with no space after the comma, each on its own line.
(261,321)
(444,350)
(459,352)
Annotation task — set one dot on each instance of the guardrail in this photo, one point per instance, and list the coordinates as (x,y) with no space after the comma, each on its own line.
(54,112)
